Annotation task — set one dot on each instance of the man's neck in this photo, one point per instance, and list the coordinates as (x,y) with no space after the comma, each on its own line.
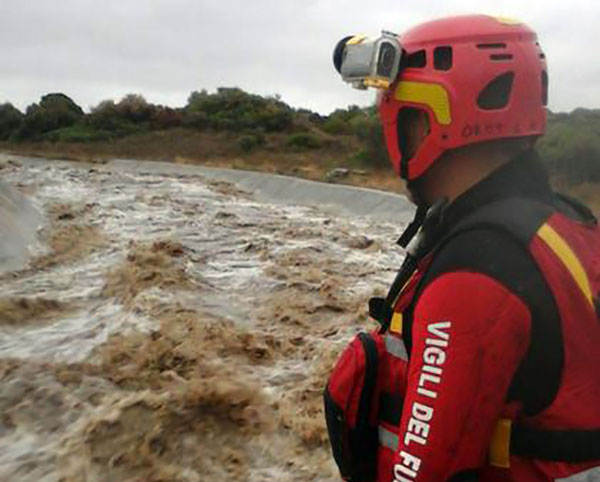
(457,173)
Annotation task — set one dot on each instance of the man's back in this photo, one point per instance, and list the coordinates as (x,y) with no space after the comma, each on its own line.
(517,316)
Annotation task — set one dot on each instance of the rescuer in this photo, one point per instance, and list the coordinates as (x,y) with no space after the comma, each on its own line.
(487,363)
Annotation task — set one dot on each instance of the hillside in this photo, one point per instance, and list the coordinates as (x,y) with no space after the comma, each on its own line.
(233,128)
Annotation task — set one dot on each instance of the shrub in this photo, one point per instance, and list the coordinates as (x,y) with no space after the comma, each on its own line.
(78,133)
(53,112)
(303,141)
(571,146)
(130,114)
(134,108)
(10,121)
(249,142)
(368,129)
(345,121)
(166,118)
(234,110)
(122,118)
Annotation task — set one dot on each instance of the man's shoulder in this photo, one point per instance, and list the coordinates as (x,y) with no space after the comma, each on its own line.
(489,251)
(493,240)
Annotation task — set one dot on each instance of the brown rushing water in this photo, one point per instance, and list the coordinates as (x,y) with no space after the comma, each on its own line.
(169,327)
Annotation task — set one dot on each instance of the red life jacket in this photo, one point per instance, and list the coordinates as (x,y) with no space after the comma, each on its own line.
(557,427)
(563,436)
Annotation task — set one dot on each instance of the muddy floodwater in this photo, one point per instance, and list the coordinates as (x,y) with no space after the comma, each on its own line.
(169,326)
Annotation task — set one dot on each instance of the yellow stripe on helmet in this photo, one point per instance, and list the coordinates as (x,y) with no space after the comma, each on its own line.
(435,96)
(508,21)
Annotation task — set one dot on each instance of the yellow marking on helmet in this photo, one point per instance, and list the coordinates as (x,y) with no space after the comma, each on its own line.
(397,322)
(500,444)
(569,259)
(508,21)
(356,39)
(434,96)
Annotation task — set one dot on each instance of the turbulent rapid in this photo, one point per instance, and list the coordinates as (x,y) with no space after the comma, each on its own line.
(169,326)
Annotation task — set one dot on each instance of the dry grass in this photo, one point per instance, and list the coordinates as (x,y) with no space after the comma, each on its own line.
(221,150)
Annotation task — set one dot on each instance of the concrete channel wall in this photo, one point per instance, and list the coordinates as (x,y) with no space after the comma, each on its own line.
(19,221)
(336,198)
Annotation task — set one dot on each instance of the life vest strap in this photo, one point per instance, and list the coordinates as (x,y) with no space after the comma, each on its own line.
(571,446)
(390,408)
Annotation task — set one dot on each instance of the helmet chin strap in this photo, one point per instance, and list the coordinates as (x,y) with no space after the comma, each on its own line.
(413,227)
(425,223)
(419,217)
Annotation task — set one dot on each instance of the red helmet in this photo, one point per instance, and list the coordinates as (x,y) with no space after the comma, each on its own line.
(476,77)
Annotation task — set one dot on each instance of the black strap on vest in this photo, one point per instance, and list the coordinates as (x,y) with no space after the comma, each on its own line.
(520,219)
(423,226)
(574,446)
(507,228)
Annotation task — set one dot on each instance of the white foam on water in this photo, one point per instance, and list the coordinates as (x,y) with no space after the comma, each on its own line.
(232,241)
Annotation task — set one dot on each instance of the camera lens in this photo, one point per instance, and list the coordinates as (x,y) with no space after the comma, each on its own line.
(385,64)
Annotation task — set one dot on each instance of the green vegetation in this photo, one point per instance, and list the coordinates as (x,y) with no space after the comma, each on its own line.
(249,124)
(232,109)
(302,141)
(10,121)
(55,111)
(250,142)
(571,146)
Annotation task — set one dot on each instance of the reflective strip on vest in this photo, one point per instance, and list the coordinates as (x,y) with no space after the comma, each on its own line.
(500,444)
(388,439)
(564,252)
(395,347)
(591,475)
(397,322)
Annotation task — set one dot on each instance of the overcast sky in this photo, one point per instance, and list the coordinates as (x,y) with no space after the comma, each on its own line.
(103,49)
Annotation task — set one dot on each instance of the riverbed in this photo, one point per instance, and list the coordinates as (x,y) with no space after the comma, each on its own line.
(174,323)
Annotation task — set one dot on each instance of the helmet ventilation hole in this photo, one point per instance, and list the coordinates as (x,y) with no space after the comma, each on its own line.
(501,57)
(544,87)
(442,58)
(496,93)
(418,60)
(491,46)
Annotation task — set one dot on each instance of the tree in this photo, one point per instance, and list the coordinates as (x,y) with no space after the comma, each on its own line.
(235,110)
(10,120)
(132,114)
(135,108)
(571,146)
(104,116)
(54,111)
